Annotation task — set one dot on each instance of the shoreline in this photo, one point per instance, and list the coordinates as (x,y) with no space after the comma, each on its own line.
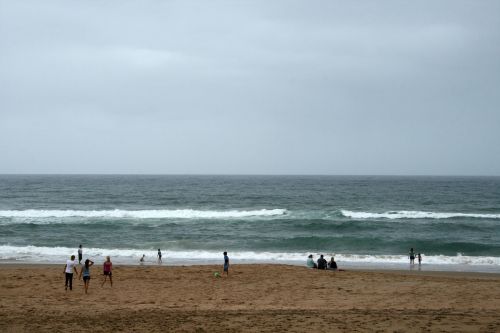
(458,262)
(423,272)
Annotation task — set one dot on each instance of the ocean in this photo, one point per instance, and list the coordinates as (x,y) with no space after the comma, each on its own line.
(364,221)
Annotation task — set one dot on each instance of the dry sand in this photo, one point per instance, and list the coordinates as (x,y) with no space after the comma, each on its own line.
(255,298)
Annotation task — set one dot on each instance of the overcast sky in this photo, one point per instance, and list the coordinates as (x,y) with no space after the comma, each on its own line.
(250,87)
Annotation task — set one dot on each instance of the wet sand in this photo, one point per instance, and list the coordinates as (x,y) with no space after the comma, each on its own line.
(255,298)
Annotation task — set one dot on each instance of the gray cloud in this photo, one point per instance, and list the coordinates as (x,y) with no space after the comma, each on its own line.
(250,87)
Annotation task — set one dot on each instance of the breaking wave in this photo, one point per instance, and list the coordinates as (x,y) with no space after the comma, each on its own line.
(142,214)
(127,256)
(409,214)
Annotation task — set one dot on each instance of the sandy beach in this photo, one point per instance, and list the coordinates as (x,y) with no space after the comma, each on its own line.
(255,298)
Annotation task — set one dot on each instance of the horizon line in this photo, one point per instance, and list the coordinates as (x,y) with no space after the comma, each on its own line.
(249,174)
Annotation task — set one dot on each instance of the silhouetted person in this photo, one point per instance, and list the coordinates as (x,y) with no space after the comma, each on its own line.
(321,262)
(332,264)
(411,255)
(226,263)
(80,254)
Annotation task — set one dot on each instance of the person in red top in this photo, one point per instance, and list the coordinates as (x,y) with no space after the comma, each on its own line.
(107,271)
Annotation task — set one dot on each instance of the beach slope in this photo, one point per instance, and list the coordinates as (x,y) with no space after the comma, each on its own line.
(255,298)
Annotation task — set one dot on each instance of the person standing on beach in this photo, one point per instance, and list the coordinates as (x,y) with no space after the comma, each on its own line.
(411,255)
(159,256)
(107,267)
(80,254)
(226,263)
(85,271)
(68,271)
(419,257)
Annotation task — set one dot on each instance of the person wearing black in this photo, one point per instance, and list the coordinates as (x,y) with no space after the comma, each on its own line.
(321,262)
(80,254)
(332,264)
(226,263)
(411,255)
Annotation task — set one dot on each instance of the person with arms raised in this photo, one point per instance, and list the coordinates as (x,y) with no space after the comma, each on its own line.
(85,271)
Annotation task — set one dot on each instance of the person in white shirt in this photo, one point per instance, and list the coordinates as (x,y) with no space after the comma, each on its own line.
(68,271)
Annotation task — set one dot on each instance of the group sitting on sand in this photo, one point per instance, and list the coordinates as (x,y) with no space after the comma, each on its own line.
(322,263)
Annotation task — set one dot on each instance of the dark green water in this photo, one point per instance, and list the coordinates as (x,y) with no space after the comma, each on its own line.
(377,219)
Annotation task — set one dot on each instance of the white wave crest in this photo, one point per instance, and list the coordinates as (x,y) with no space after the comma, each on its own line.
(33,254)
(409,214)
(142,214)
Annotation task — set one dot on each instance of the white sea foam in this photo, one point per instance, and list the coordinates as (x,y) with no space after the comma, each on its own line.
(409,214)
(127,256)
(142,214)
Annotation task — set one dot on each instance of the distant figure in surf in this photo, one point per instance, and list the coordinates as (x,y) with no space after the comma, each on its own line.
(107,271)
(226,263)
(159,256)
(142,259)
(80,254)
(310,262)
(419,257)
(411,255)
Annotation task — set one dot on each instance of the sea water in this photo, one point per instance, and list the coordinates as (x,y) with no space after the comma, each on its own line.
(364,221)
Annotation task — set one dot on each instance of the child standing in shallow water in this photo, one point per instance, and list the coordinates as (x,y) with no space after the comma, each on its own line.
(226,263)
(107,271)
(85,271)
